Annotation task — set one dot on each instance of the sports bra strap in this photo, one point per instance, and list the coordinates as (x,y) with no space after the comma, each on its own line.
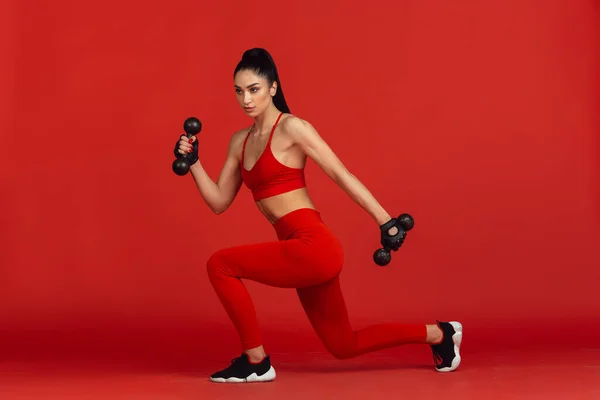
(274,126)
(270,136)
(246,140)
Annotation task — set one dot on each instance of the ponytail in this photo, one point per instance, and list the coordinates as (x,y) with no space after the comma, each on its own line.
(260,62)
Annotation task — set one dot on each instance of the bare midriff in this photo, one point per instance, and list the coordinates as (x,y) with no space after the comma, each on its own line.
(277,206)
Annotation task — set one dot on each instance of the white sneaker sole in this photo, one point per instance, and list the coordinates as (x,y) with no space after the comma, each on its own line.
(266,377)
(457,339)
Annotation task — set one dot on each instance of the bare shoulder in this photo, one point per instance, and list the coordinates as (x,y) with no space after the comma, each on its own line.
(237,141)
(240,135)
(303,134)
(295,126)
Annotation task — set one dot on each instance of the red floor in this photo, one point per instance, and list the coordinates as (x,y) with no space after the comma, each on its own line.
(400,373)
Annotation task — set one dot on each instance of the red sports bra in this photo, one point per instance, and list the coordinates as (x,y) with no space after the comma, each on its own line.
(268,177)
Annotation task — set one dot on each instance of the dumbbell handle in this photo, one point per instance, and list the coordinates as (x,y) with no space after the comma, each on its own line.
(185,155)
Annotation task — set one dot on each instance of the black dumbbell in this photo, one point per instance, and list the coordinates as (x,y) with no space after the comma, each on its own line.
(382,256)
(192,126)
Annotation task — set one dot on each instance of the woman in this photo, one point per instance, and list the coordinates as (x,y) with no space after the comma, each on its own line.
(269,158)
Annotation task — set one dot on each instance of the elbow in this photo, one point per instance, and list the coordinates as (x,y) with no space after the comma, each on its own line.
(219,208)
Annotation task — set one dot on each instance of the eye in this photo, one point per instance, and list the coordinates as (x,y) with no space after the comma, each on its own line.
(238,91)
(254,90)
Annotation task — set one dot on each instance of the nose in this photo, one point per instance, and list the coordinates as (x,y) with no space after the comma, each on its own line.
(247,98)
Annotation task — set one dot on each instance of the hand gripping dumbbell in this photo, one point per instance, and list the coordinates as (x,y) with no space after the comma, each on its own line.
(382,256)
(192,126)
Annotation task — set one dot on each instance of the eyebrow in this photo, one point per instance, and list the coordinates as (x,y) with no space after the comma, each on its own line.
(249,86)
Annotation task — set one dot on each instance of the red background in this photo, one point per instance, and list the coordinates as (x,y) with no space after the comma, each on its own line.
(479,118)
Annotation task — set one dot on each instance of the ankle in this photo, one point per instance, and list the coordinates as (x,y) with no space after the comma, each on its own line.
(434,334)
(256,354)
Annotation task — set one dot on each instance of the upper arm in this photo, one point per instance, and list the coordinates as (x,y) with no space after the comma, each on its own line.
(315,147)
(230,179)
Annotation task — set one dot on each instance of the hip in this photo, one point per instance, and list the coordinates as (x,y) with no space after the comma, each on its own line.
(306,226)
(301,222)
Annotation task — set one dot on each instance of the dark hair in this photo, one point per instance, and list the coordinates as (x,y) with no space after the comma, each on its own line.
(261,63)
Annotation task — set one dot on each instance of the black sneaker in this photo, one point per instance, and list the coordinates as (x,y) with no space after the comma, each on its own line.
(446,354)
(242,370)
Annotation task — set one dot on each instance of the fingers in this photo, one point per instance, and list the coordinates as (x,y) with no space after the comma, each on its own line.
(187,139)
(186,144)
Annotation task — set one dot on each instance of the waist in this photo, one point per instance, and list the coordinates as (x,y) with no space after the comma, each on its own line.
(277,206)
(296,220)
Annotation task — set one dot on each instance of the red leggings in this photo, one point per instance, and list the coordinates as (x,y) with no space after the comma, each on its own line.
(307,257)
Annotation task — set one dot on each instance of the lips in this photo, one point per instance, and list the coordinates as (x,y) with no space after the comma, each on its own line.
(249,108)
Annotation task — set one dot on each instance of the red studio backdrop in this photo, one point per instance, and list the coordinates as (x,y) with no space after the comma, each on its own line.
(478,118)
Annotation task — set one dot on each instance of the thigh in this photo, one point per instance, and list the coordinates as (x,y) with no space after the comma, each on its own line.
(287,263)
(326,310)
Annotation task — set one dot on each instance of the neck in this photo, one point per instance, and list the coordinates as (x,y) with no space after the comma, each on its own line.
(266,120)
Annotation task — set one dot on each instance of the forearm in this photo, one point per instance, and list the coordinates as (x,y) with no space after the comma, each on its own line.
(363,197)
(209,190)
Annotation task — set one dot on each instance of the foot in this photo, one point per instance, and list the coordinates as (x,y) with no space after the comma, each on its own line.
(446,354)
(242,370)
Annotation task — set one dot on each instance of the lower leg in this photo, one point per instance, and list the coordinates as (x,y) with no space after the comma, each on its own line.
(238,305)
(325,307)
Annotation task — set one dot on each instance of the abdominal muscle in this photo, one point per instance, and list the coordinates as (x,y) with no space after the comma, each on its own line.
(277,206)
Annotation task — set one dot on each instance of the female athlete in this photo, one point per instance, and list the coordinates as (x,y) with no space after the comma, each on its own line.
(269,158)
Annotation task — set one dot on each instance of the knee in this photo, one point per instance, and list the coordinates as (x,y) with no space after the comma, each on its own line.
(215,265)
(340,350)
(340,353)
(338,343)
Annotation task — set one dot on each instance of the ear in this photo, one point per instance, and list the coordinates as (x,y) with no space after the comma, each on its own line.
(273,89)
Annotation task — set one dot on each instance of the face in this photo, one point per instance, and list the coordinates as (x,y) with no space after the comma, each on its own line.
(253,92)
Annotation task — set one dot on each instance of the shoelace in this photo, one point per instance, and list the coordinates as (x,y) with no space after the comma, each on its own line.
(236,360)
